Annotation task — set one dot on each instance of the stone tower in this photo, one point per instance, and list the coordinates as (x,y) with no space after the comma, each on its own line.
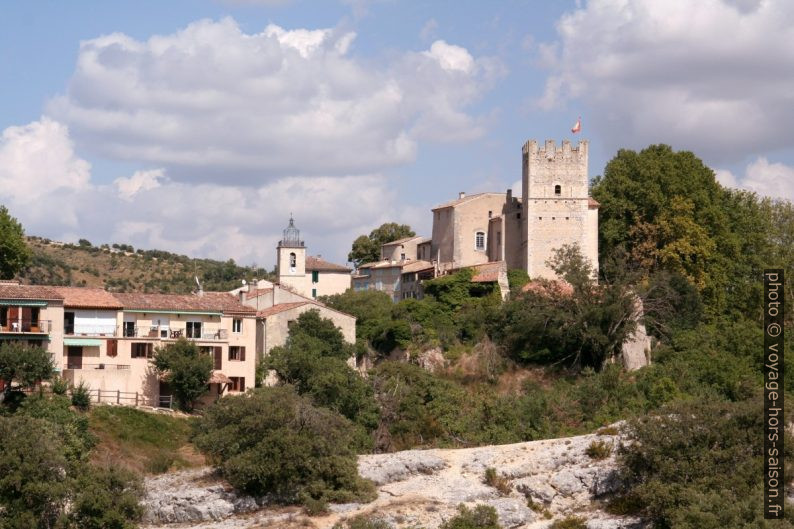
(291,259)
(556,204)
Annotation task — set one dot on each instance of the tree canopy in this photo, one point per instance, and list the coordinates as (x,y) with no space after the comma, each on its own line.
(366,248)
(23,364)
(14,251)
(186,369)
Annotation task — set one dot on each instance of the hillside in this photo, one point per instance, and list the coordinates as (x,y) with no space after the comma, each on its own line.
(122,268)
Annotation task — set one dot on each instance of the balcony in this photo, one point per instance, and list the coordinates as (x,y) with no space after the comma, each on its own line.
(26,326)
(202,333)
(71,329)
(72,364)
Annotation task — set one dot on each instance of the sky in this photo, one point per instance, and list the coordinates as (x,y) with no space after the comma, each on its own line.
(200,126)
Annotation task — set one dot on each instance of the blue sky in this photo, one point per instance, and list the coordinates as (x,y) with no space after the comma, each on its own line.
(199,126)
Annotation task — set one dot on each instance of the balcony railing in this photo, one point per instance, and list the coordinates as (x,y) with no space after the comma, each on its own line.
(83,365)
(71,329)
(26,326)
(174,333)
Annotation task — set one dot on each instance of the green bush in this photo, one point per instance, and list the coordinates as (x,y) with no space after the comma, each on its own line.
(363,522)
(186,369)
(81,396)
(480,517)
(274,441)
(599,450)
(570,522)
(500,483)
(697,465)
(59,386)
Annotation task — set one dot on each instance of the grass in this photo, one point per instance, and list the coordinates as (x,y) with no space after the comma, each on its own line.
(571,522)
(149,443)
(500,483)
(599,450)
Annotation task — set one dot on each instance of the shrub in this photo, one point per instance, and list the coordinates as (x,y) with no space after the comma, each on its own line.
(186,369)
(608,430)
(81,396)
(274,441)
(697,465)
(363,522)
(314,507)
(23,364)
(500,483)
(599,450)
(571,522)
(481,517)
(59,386)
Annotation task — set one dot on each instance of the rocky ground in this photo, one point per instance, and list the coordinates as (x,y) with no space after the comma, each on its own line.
(418,488)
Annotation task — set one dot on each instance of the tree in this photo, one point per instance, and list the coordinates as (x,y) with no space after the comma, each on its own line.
(366,249)
(186,369)
(580,323)
(14,251)
(274,441)
(26,365)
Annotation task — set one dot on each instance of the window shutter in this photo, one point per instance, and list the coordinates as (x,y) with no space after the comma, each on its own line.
(149,349)
(218,357)
(242,353)
(112,348)
(242,384)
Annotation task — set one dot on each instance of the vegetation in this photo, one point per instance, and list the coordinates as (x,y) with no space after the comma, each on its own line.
(366,249)
(599,450)
(570,522)
(363,522)
(274,441)
(697,465)
(480,517)
(121,268)
(22,366)
(14,252)
(46,479)
(186,369)
(140,441)
(500,483)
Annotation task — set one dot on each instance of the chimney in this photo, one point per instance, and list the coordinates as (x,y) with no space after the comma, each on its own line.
(509,197)
(462,194)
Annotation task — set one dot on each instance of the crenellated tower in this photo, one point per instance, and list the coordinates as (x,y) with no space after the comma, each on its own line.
(556,204)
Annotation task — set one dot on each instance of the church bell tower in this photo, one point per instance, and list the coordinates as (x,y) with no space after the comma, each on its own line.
(291,259)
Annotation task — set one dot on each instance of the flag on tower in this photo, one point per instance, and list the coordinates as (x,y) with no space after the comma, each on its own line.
(577,126)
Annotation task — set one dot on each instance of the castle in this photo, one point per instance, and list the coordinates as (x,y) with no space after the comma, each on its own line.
(494,232)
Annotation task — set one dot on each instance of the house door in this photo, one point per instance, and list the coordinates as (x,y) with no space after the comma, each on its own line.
(218,353)
(74,357)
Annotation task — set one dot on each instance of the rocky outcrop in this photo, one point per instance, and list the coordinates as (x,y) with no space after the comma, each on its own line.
(546,480)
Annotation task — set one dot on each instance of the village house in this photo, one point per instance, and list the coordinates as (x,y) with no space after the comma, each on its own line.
(476,230)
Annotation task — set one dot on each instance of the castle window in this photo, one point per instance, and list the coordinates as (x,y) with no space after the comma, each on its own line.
(490,214)
(479,241)
(558,190)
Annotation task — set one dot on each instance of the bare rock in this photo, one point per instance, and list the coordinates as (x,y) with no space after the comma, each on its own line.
(512,512)
(387,468)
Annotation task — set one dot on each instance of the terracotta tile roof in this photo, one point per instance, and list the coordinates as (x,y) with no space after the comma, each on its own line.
(592,203)
(467,198)
(258,292)
(555,286)
(416,266)
(281,307)
(13,290)
(383,264)
(400,241)
(87,298)
(208,302)
(317,263)
(487,272)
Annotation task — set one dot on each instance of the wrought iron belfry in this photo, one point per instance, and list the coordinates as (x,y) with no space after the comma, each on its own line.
(291,237)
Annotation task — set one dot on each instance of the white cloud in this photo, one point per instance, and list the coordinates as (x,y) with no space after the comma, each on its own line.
(774,180)
(712,76)
(139,181)
(451,57)
(256,107)
(49,189)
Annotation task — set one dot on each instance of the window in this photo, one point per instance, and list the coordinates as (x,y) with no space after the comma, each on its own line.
(315,276)
(141,350)
(236,383)
(314,293)
(237,352)
(293,261)
(558,190)
(490,214)
(402,257)
(237,325)
(128,329)
(479,241)
(193,329)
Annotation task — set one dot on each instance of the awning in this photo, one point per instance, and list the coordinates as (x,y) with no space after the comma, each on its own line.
(219,378)
(84,342)
(21,303)
(25,336)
